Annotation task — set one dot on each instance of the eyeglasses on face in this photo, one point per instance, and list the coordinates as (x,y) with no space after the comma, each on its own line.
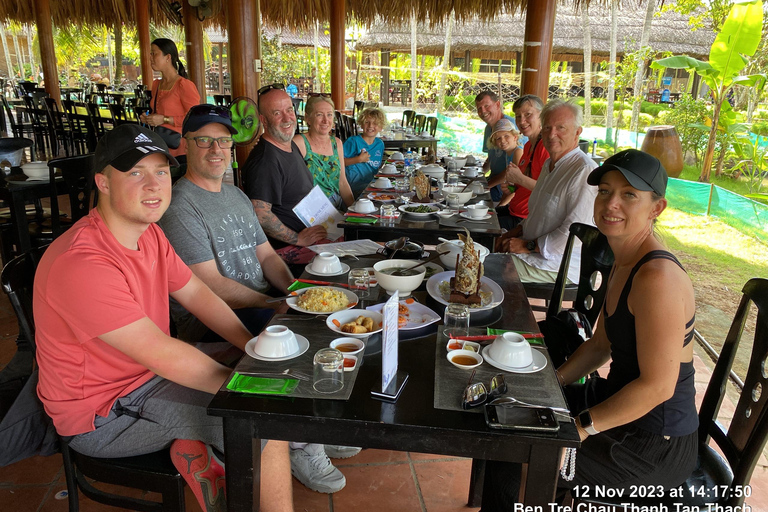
(206,142)
(206,109)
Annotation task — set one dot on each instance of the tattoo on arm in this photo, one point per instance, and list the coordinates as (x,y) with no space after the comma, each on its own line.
(271,224)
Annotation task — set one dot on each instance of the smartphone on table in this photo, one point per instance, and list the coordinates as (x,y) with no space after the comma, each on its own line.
(527,419)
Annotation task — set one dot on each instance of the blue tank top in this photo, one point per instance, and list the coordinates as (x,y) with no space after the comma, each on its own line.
(675,417)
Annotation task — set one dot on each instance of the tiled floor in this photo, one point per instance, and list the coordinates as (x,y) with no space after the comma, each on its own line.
(376,480)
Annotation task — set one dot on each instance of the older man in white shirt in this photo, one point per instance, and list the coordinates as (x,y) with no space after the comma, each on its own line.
(561,197)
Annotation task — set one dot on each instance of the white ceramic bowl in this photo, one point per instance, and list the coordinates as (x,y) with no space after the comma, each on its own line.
(477,211)
(364,205)
(460,161)
(396,156)
(388,169)
(35,169)
(433,171)
(463,197)
(511,349)
(343,344)
(453,354)
(382,183)
(276,341)
(449,260)
(326,263)
(471,160)
(465,345)
(470,172)
(352,367)
(403,284)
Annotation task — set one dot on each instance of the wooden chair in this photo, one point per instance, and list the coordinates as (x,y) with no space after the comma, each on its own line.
(408,116)
(596,256)
(341,126)
(722,479)
(62,131)
(222,100)
(153,472)
(40,127)
(17,124)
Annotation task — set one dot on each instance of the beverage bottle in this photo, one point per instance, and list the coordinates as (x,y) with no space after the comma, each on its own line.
(594,147)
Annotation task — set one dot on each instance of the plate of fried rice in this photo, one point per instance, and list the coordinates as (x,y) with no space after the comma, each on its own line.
(322,299)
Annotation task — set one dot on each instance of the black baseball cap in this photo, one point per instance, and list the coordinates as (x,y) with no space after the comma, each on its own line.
(642,171)
(126,144)
(201,115)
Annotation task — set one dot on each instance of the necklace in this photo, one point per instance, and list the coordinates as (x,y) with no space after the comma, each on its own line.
(568,469)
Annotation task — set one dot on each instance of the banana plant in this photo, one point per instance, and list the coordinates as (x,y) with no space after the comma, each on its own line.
(738,39)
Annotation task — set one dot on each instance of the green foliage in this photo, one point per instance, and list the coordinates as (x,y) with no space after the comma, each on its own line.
(760,128)
(738,39)
(752,153)
(686,113)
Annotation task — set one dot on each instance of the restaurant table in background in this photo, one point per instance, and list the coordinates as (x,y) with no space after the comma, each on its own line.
(410,424)
(410,141)
(17,191)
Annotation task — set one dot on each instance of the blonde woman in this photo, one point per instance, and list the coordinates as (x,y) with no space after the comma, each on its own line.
(321,151)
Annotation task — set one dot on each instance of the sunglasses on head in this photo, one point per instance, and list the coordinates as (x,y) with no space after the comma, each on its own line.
(320,94)
(269,87)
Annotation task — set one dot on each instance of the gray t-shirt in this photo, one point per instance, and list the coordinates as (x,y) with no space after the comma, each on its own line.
(220,226)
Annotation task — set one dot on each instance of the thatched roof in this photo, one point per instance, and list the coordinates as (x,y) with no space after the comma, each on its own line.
(670,32)
(281,13)
(300,38)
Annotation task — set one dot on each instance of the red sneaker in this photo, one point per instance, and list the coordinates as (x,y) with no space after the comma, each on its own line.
(203,473)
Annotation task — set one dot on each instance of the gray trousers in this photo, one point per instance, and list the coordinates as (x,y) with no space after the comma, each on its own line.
(149,419)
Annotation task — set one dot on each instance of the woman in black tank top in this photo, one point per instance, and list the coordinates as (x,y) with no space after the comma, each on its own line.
(638,425)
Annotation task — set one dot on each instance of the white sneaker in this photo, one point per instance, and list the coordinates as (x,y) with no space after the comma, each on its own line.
(341,452)
(312,467)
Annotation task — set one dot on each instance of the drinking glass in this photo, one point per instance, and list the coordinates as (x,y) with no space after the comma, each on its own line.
(329,371)
(359,281)
(456,320)
(452,179)
(387,213)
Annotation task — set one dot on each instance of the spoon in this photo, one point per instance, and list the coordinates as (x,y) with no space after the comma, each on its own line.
(510,400)
(434,257)
(450,242)
(280,299)
(399,244)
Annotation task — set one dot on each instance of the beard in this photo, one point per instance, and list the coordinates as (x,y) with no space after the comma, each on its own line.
(274,131)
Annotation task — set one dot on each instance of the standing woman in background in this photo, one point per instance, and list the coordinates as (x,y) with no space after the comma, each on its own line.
(172,95)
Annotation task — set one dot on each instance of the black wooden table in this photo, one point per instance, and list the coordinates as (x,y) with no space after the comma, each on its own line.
(410,424)
(411,142)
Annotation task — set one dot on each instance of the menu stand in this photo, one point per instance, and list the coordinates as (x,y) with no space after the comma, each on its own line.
(393,390)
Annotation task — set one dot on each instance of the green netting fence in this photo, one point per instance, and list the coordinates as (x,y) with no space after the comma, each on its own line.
(746,215)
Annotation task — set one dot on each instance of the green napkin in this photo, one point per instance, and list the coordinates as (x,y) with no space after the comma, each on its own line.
(361,220)
(261,385)
(533,341)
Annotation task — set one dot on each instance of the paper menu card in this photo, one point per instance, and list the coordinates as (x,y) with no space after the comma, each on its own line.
(389,338)
(316,210)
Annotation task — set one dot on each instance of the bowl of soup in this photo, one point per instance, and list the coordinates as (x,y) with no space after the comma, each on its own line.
(404,284)
(465,359)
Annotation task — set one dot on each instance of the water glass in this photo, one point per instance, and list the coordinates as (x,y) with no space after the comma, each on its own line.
(359,281)
(328,371)
(387,214)
(456,320)
(452,179)
(402,184)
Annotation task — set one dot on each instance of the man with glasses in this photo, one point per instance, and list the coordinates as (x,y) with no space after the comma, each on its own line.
(277,178)
(213,228)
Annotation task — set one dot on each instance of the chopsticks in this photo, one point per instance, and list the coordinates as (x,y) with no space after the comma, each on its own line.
(486,337)
(324,283)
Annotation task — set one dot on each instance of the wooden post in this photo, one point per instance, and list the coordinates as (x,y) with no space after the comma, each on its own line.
(244,29)
(193,34)
(385,77)
(537,52)
(221,68)
(47,50)
(338,89)
(142,27)
(468,61)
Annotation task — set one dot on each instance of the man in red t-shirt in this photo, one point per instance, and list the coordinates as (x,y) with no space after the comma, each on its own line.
(111,378)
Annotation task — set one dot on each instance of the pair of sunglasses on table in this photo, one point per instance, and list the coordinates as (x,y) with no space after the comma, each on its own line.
(477,394)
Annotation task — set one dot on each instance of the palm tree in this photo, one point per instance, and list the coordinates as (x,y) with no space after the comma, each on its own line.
(650,9)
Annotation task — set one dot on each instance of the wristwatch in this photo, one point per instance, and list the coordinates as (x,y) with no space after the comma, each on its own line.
(530,245)
(585,418)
